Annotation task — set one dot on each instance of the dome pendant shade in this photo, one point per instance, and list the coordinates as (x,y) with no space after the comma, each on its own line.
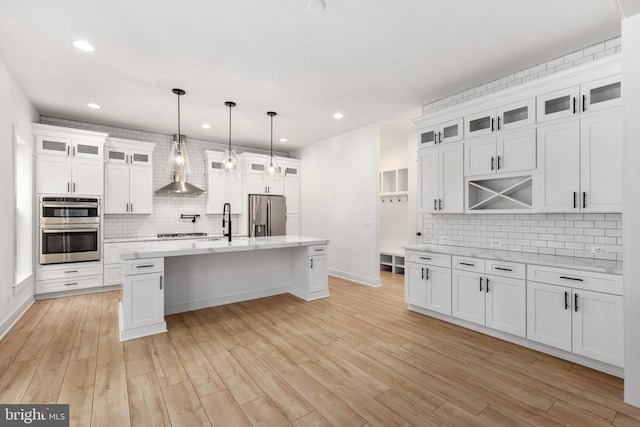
(229,158)
(178,162)
(271,166)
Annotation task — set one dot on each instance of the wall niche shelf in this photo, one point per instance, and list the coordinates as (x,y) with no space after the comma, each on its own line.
(394,182)
(509,193)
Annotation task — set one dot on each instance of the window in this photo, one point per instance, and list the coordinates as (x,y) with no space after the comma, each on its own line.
(23,197)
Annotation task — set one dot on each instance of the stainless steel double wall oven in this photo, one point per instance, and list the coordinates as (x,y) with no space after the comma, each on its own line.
(69,229)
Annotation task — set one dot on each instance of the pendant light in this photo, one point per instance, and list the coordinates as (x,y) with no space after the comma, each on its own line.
(271,167)
(229,159)
(178,162)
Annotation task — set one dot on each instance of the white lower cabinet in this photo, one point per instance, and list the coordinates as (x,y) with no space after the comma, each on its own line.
(428,281)
(309,272)
(582,321)
(490,299)
(141,311)
(68,277)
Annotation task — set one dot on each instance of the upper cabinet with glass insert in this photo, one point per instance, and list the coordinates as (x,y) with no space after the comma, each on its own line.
(586,98)
(445,132)
(510,116)
(63,146)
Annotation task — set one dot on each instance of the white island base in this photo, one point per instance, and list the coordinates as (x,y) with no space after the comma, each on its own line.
(194,275)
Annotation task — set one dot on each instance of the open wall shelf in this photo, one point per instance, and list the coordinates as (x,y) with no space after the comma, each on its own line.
(509,193)
(394,182)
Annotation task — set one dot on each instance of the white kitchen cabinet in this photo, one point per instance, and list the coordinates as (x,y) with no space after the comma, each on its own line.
(496,300)
(69,161)
(292,226)
(503,118)
(128,175)
(428,281)
(68,277)
(450,131)
(441,179)
(601,146)
(598,326)
(221,187)
(577,317)
(589,97)
(259,184)
(468,296)
(141,310)
(318,273)
(580,164)
(549,315)
(292,194)
(505,152)
(309,272)
(67,175)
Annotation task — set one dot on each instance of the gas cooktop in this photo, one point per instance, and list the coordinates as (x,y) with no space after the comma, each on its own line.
(179,235)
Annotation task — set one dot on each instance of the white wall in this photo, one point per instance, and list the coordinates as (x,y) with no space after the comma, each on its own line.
(15,110)
(339,201)
(631,208)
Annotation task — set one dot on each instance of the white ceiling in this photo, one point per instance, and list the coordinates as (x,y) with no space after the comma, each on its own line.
(369,59)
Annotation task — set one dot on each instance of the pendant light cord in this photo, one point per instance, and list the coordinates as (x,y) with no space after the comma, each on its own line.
(230,106)
(271,136)
(179,118)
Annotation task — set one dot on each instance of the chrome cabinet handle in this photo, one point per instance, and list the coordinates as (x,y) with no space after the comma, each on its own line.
(74,187)
(145,266)
(70,271)
(68,187)
(160,282)
(71,284)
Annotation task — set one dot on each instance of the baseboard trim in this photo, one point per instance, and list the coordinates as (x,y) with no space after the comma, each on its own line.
(8,323)
(368,281)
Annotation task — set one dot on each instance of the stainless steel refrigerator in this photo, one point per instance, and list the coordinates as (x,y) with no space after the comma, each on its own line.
(267,215)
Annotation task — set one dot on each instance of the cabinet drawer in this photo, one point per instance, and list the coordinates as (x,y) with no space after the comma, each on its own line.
(46,286)
(577,279)
(142,266)
(66,271)
(468,264)
(112,251)
(506,269)
(429,258)
(317,250)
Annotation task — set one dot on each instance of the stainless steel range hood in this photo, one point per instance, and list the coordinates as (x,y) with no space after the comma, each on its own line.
(180,186)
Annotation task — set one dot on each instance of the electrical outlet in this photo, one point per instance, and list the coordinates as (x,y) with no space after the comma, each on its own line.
(495,243)
(444,239)
(598,249)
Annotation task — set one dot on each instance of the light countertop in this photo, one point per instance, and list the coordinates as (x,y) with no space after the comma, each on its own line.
(584,264)
(155,238)
(239,244)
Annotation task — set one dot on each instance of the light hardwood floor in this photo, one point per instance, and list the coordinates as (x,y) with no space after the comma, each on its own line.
(356,358)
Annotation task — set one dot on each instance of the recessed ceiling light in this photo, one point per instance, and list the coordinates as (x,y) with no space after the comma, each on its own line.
(338,115)
(83,45)
(283,139)
(206,126)
(93,106)
(316,5)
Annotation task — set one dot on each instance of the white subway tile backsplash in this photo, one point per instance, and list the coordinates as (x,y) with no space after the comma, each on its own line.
(554,234)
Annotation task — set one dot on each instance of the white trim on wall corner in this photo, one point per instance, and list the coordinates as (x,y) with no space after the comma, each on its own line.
(13,318)
(356,278)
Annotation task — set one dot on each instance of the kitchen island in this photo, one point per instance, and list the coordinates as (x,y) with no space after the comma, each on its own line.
(187,275)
